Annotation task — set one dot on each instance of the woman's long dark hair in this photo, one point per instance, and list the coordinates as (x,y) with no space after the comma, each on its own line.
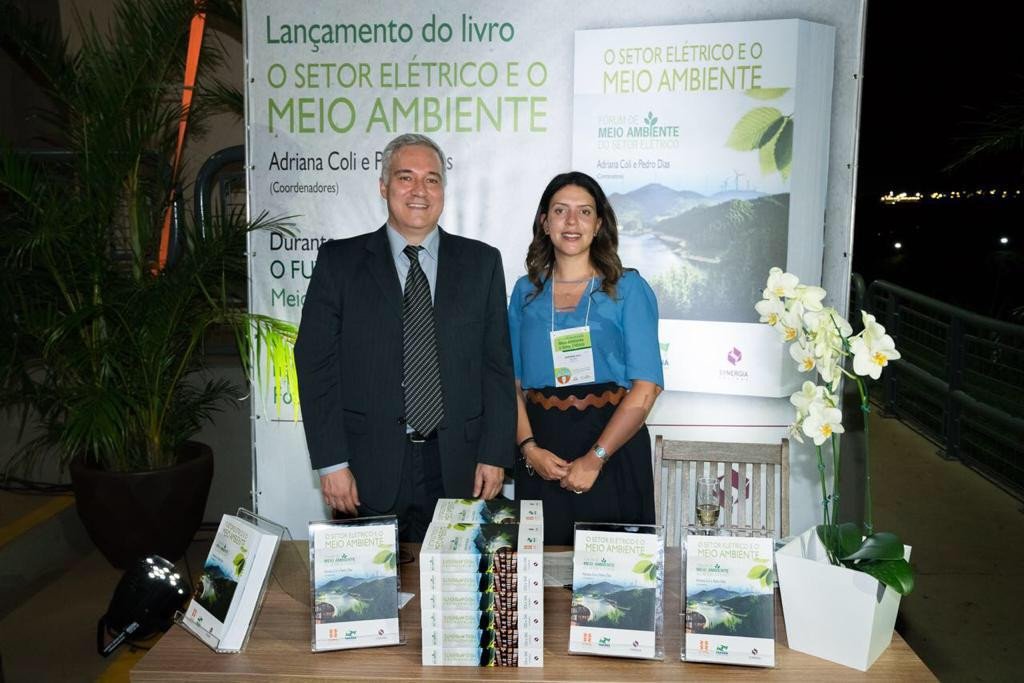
(604,250)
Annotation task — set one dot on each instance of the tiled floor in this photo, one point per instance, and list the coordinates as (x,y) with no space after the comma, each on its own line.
(963,618)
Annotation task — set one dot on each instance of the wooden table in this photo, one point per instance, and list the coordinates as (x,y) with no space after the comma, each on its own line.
(279,649)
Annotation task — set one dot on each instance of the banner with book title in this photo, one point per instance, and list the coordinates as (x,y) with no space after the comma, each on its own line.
(506,90)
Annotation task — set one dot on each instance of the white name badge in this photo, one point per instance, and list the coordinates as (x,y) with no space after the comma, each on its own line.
(573,355)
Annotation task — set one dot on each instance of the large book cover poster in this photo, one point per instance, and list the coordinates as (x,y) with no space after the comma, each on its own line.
(223,571)
(711,143)
(615,593)
(730,600)
(355,585)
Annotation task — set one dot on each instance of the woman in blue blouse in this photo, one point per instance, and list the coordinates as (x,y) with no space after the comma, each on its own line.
(585,345)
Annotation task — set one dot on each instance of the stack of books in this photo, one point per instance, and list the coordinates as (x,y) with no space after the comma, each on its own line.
(482,584)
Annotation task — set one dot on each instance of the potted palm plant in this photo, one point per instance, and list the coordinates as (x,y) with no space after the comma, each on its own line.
(103,350)
(841,583)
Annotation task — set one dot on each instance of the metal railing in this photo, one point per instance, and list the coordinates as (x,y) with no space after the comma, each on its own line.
(960,380)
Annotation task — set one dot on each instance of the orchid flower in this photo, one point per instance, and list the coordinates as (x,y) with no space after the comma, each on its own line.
(802,399)
(770,310)
(810,296)
(803,355)
(871,355)
(821,339)
(780,284)
(822,422)
(790,325)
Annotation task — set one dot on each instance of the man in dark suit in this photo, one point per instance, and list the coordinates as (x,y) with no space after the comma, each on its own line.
(361,350)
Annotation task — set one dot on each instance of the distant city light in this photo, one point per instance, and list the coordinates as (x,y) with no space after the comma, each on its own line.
(898,245)
(1004,240)
(893,197)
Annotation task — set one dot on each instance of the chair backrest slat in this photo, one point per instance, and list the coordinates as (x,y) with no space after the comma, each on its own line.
(756,468)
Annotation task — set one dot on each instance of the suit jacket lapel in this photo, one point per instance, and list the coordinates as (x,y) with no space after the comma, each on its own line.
(447,302)
(382,266)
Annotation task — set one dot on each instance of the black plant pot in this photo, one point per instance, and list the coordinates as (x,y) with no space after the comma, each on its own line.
(129,515)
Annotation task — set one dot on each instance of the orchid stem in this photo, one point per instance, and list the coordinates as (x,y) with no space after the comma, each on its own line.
(869,526)
(829,539)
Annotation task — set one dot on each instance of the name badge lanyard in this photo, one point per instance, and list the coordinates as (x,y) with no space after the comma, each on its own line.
(571,349)
(590,298)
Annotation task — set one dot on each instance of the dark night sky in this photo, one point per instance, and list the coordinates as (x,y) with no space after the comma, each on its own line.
(927,77)
(929,80)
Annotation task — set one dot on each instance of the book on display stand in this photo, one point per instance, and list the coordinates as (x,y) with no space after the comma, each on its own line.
(227,598)
(354,583)
(728,599)
(617,591)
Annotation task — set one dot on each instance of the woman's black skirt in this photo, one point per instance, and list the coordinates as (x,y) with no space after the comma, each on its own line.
(623,491)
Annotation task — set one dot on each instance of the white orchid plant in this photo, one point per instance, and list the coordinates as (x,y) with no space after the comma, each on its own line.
(822,342)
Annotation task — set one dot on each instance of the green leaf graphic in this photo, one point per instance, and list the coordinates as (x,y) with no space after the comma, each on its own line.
(382,557)
(748,132)
(784,148)
(772,131)
(641,566)
(757,571)
(766,93)
(766,157)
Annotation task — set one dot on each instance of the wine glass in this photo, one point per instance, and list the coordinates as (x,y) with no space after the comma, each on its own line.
(708,508)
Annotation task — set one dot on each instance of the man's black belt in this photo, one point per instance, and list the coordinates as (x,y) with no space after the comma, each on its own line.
(416,437)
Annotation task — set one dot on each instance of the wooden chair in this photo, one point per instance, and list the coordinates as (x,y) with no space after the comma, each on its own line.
(677,464)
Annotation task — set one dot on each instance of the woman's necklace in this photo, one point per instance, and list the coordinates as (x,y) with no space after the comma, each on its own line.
(567,301)
(572,282)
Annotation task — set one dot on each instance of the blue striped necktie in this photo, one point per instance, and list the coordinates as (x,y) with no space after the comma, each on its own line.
(422,374)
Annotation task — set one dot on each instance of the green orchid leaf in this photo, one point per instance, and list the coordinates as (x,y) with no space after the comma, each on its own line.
(748,132)
(896,574)
(766,93)
(841,540)
(879,546)
(784,148)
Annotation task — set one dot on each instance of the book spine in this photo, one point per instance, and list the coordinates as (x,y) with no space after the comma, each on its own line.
(474,602)
(532,619)
(465,582)
(436,656)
